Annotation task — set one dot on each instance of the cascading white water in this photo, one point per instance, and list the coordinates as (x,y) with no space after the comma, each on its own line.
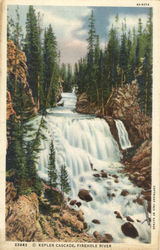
(123,135)
(80,140)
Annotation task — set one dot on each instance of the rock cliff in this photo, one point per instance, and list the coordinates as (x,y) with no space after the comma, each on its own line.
(33,218)
(123,105)
(16,66)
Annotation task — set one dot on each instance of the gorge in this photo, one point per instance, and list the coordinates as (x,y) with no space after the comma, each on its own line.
(86,146)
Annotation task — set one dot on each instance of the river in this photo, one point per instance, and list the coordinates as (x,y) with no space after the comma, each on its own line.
(86,146)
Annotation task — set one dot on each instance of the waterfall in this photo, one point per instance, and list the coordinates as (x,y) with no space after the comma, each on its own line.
(84,140)
(123,135)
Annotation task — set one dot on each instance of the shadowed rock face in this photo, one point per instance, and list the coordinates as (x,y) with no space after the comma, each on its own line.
(124,106)
(17,68)
(25,220)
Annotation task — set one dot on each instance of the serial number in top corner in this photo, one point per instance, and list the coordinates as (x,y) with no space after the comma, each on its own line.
(142,4)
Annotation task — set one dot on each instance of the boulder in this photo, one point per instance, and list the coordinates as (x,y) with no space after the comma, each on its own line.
(106,238)
(95,221)
(72,202)
(116,181)
(104,175)
(129,230)
(115,176)
(96,175)
(84,195)
(118,215)
(78,203)
(129,219)
(96,234)
(124,193)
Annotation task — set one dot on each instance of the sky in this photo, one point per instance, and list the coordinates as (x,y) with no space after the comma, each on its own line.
(70,24)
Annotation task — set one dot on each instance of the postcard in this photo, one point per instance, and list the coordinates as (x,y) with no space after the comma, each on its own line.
(79,124)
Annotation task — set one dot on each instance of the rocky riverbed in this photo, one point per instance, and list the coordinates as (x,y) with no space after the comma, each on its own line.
(123,105)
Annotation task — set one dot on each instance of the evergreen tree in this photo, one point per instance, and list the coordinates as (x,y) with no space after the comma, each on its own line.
(52,172)
(64,182)
(51,72)
(112,59)
(145,76)
(33,53)
(90,78)
(91,40)
(123,55)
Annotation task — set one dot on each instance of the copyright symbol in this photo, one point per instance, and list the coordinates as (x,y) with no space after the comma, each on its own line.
(34,245)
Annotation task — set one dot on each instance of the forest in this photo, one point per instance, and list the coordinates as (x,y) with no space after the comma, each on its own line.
(126,56)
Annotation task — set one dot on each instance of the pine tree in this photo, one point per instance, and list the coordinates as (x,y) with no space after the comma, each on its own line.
(123,55)
(52,172)
(64,182)
(51,71)
(33,53)
(113,59)
(90,78)
(91,40)
(145,78)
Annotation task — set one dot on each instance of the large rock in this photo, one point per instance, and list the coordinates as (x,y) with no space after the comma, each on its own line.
(72,220)
(123,104)
(95,221)
(118,215)
(129,230)
(84,195)
(105,238)
(22,219)
(113,128)
(73,202)
(124,192)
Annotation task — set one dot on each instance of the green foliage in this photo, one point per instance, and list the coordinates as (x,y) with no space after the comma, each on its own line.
(127,56)
(51,70)
(67,77)
(64,182)
(33,53)
(54,196)
(52,172)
